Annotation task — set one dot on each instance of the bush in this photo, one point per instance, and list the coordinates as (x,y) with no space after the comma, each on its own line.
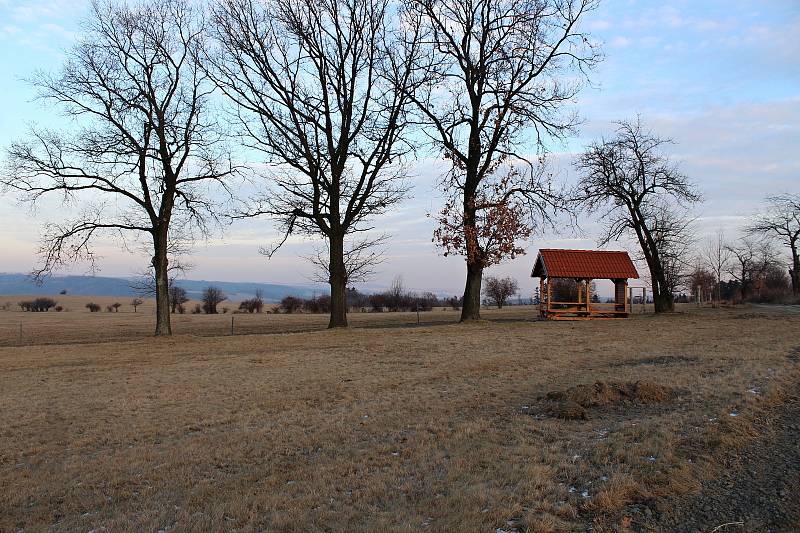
(318,304)
(59,308)
(254,305)
(356,298)
(454,302)
(39,305)
(177,296)
(397,299)
(290,304)
(212,296)
(93,307)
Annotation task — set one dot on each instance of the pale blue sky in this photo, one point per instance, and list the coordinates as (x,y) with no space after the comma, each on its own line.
(721,77)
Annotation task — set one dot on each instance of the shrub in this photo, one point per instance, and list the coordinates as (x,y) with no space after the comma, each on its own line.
(39,305)
(454,302)
(93,307)
(177,296)
(254,305)
(318,304)
(136,302)
(290,304)
(212,296)
(59,308)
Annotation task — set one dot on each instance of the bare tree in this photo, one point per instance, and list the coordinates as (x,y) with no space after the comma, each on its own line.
(640,193)
(135,303)
(498,79)
(177,296)
(147,149)
(212,296)
(716,257)
(782,221)
(319,92)
(750,260)
(396,294)
(499,290)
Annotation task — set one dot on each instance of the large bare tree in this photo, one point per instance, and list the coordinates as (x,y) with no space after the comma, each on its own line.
(145,149)
(641,194)
(499,76)
(319,91)
(782,221)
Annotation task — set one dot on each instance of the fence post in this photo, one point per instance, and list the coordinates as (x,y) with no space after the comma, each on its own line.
(231,324)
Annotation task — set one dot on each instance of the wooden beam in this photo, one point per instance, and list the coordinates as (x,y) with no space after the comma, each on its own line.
(588,294)
(541,297)
(549,292)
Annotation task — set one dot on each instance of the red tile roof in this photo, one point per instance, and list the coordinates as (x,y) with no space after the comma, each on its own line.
(594,264)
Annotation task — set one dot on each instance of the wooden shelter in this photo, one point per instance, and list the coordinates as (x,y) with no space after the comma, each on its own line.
(583,266)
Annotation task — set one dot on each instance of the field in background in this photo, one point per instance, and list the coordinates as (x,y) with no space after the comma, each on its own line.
(77,325)
(443,427)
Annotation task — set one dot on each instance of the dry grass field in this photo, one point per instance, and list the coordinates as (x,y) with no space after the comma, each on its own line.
(441,427)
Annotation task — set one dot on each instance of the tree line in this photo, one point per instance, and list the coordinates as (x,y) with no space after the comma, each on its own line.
(336,97)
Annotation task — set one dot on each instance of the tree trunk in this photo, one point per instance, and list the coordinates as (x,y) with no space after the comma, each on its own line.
(160,267)
(795,273)
(338,282)
(664,302)
(471,308)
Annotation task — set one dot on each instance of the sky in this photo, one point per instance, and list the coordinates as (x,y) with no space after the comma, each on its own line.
(719,77)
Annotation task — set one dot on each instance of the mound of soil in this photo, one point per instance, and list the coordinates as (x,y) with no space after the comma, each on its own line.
(572,404)
(603,393)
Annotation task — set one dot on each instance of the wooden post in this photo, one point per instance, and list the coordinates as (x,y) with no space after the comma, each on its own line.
(588,294)
(625,292)
(541,296)
(549,292)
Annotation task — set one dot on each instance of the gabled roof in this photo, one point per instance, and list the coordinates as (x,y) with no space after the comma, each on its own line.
(594,264)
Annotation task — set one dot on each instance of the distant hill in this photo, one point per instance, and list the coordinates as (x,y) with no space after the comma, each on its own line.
(107,286)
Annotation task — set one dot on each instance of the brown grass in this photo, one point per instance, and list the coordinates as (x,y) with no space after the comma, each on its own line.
(603,393)
(374,428)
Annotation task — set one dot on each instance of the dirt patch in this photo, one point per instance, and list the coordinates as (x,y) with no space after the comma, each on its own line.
(755,491)
(573,403)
